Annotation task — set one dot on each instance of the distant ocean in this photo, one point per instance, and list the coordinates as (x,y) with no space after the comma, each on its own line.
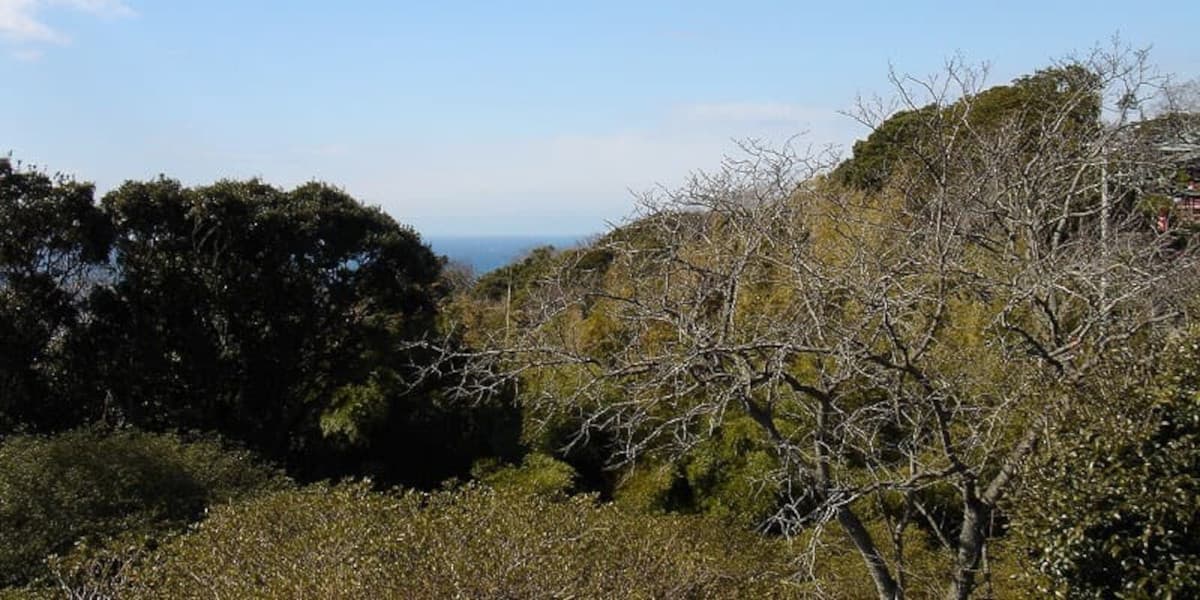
(485,253)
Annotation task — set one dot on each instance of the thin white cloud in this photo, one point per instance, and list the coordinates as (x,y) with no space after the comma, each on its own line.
(21,21)
(753,111)
(107,8)
(18,22)
(571,182)
(27,55)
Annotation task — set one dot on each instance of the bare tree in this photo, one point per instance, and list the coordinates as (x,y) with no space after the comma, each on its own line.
(886,343)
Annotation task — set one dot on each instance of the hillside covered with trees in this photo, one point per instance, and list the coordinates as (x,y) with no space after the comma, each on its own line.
(959,363)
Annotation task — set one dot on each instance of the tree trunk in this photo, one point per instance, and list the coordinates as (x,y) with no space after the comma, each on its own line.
(884,583)
(977,509)
(970,548)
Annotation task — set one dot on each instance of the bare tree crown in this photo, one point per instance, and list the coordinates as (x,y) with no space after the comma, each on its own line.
(887,340)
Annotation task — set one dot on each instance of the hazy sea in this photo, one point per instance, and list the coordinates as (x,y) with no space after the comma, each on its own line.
(485,253)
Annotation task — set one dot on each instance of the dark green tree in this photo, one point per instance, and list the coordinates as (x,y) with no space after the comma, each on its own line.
(282,319)
(275,317)
(1033,104)
(54,245)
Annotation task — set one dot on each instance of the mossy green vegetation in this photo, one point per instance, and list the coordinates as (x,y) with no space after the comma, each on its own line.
(78,489)
(346,541)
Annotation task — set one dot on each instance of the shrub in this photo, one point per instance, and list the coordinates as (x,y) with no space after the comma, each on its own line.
(727,476)
(346,541)
(1116,511)
(80,487)
(537,474)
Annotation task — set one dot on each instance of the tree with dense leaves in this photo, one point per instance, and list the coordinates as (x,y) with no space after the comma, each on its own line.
(54,244)
(271,316)
(1036,99)
(278,318)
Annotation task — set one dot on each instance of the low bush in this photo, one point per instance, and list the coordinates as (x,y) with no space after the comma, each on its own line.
(537,474)
(81,487)
(347,541)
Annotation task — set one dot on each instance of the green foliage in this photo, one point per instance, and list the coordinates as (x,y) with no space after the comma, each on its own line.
(278,318)
(474,542)
(900,140)
(272,316)
(53,242)
(352,406)
(29,594)
(654,487)
(85,485)
(729,476)
(732,474)
(878,156)
(514,278)
(538,474)
(1116,511)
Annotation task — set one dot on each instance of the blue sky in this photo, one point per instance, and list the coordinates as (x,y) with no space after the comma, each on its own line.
(494,117)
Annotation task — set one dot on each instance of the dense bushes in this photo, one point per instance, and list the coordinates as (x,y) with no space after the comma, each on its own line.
(728,476)
(85,486)
(537,474)
(475,542)
(1115,512)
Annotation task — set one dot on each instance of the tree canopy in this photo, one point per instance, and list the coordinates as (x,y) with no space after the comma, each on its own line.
(277,318)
